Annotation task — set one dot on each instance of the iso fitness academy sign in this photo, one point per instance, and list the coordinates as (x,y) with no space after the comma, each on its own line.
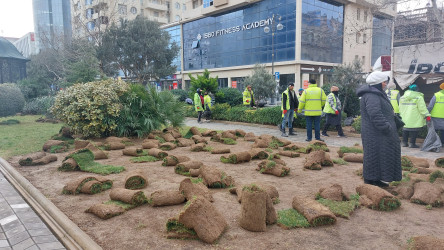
(238,28)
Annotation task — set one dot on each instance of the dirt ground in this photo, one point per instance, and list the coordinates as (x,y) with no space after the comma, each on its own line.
(144,227)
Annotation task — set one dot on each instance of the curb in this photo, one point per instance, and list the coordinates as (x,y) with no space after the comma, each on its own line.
(69,234)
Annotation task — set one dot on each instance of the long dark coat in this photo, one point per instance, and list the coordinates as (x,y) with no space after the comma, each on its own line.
(382,150)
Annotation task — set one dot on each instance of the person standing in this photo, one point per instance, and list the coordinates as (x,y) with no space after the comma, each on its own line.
(333,111)
(248,96)
(207,104)
(394,97)
(436,109)
(288,106)
(312,101)
(413,112)
(380,140)
(199,104)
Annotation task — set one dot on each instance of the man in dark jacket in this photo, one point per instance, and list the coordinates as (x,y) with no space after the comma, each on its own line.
(380,140)
(289,106)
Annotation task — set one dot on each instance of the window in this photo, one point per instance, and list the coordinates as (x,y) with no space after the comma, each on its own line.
(358,14)
(365,15)
(364,38)
(363,60)
(184,7)
(178,6)
(207,3)
(88,2)
(177,18)
(167,3)
(156,13)
(91,26)
(358,36)
(133,10)
(122,9)
(89,13)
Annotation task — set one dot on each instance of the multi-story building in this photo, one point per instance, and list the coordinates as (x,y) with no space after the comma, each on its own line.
(91,17)
(52,22)
(228,38)
(26,45)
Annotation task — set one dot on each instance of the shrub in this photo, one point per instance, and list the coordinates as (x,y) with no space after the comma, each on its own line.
(91,108)
(357,124)
(180,94)
(143,111)
(203,82)
(229,95)
(38,106)
(11,99)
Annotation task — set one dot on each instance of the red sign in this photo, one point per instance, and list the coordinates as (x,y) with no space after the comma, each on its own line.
(174,85)
(386,62)
(306,83)
(234,84)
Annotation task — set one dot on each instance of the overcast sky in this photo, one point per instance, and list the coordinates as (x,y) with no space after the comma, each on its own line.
(16,17)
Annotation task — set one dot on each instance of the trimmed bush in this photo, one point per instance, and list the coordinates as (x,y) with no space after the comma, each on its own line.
(231,96)
(11,99)
(38,106)
(91,109)
(180,94)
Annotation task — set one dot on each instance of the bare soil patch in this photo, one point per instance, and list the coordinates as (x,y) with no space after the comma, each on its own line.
(144,227)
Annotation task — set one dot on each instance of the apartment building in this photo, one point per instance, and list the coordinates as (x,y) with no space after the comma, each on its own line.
(228,37)
(90,17)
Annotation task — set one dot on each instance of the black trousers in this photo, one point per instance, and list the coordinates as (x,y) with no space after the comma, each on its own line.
(199,115)
(338,127)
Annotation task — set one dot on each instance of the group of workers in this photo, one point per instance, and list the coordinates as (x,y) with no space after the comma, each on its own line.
(202,104)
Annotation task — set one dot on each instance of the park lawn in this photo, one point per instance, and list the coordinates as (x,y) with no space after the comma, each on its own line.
(26,137)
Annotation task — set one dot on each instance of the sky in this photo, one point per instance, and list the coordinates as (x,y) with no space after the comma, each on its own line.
(16,18)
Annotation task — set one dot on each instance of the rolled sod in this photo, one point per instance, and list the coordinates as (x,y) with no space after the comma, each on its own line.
(227,134)
(157,153)
(74,187)
(439,162)
(166,198)
(236,158)
(51,143)
(173,160)
(259,143)
(427,193)
(114,145)
(198,147)
(150,143)
(98,154)
(220,151)
(44,160)
(254,209)
(258,153)
(190,189)
(240,132)
(106,183)
(194,172)
(85,159)
(28,160)
(105,211)
(199,214)
(333,192)
(133,152)
(292,147)
(183,142)
(69,165)
(177,230)
(215,178)
(315,213)
(133,197)
(314,159)
(79,144)
(199,139)
(174,132)
(168,137)
(380,198)
(135,180)
(195,131)
(290,154)
(91,187)
(168,146)
(271,191)
(343,150)
(272,168)
(209,133)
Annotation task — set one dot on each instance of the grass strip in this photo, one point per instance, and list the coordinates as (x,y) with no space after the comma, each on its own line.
(435,175)
(406,164)
(290,218)
(228,141)
(340,161)
(146,158)
(123,205)
(85,160)
(344,150)
(340,208)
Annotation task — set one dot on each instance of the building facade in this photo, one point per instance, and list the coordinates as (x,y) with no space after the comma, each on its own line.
(52,22)
(12,63)
(26,45)
(228,38)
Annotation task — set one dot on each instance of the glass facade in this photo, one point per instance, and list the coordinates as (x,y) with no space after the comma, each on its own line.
(322,31)
(237,37)
(175,37)
(52,21)
(381,38)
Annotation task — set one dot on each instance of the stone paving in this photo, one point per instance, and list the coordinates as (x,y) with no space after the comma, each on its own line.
(20,226)
(332,140)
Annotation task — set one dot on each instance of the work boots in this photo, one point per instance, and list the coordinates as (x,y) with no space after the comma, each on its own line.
(290,131)
(283,133)
(413,135)
(405,138)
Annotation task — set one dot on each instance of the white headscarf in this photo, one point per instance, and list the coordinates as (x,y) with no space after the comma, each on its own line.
(377,77)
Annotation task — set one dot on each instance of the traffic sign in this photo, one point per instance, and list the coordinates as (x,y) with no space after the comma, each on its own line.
(276,75)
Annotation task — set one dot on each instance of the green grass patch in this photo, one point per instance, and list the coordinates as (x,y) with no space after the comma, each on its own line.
(435,175)
(85,160)
(146,158)
(340,208)
(321,221)
(440,162)
(316,147)
(160,139)
(350,150)
(180,170)
(173,225)
(10,122)
(58,149)
(123,205)
(388,204)
(276,201)
(230,159)
(269,150)
(228,141)
(62,138)
(406,164)
(26,137)
(290,218)
(208,148)
(196,180)
(340,161)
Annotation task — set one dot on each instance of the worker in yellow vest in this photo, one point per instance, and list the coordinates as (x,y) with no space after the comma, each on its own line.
(248,96)
(312,101)
(207,105)
(394,97)
(436,109)
(333,114)
(288,106)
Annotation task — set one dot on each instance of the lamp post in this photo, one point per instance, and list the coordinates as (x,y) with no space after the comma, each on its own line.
(275,26)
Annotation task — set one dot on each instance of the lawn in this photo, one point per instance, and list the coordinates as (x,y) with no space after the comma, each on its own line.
(26,137)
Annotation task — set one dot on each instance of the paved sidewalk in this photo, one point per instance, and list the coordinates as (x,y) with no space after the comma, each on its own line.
(20,226)
(332,140)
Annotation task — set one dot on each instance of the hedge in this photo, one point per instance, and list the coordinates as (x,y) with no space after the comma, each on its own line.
(11,99)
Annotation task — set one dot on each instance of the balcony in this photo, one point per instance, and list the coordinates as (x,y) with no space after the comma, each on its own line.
(161,20)
(224,5)
(154,6)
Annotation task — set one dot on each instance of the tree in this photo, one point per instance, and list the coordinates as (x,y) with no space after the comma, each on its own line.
(261,82)
(139,48)
(348,78)
(203,82)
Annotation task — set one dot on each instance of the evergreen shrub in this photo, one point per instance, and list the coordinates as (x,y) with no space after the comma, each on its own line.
(231,96)
(180,94)
(38,106)
(11,99)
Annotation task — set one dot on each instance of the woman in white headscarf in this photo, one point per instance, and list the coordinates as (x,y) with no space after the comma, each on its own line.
(380,140)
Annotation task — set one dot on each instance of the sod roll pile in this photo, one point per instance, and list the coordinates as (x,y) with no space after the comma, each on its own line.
(105,211)
(133,197)
(189,189)
(38,159)
(166,198)
(379,198)
(173,160)
(315,213)
(236,158)
(136,180)
(199,214)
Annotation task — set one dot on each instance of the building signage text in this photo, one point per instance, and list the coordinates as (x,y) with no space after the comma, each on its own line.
(238,28)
